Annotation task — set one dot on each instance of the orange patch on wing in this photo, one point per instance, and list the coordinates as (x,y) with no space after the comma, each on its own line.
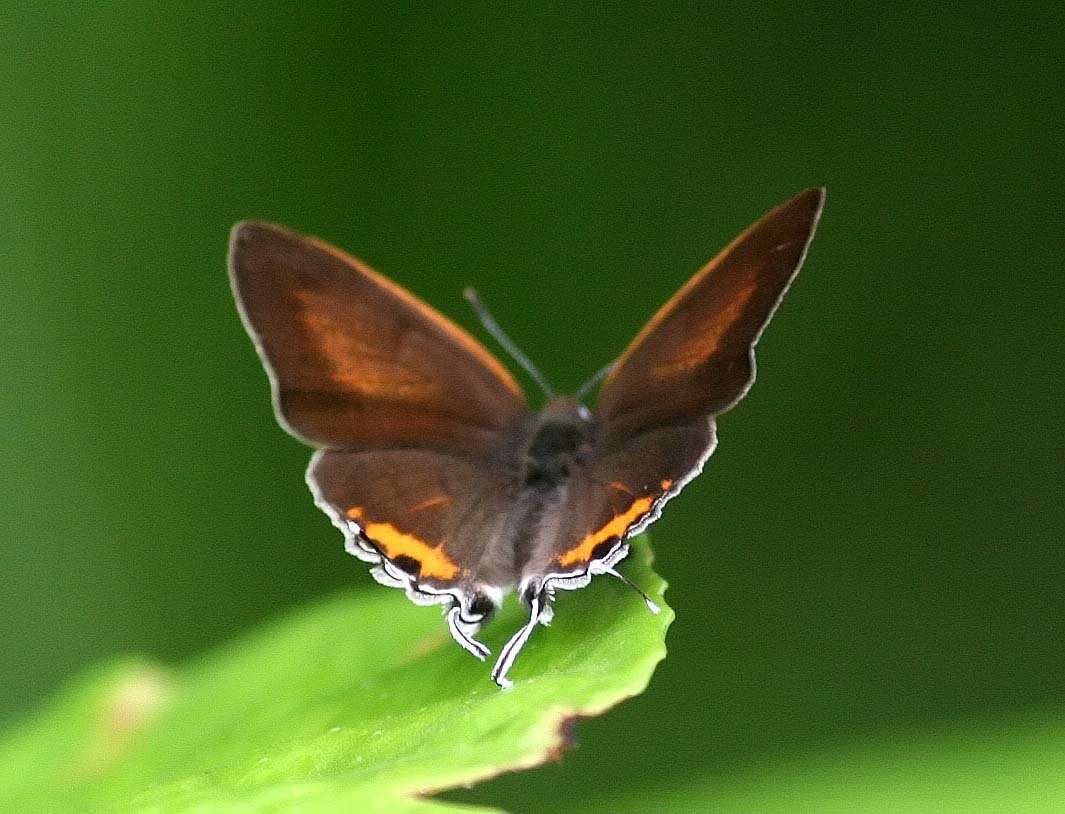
(705,339)
(353,366)
(395,543)
(666,485)
(428,504)
(430,315)
(621,487)
(617,527)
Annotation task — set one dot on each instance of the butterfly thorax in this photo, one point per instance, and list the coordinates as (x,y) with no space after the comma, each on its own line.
(559,440)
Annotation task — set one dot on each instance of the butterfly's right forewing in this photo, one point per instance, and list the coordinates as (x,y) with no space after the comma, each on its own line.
(695,358)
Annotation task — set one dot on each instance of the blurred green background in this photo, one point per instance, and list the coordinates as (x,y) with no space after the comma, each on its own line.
(875,548)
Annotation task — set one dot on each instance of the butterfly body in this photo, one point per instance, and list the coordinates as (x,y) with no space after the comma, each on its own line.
(431,462)
(559,440)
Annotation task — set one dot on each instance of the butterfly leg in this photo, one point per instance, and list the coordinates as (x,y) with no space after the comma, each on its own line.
(462,632)
(540,613)
(548,612)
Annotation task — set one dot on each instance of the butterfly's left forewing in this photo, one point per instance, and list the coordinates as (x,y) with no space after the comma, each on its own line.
(356,362)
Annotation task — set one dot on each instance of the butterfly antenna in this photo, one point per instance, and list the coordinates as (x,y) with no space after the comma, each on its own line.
(506,343)
(597,377)
(651,606)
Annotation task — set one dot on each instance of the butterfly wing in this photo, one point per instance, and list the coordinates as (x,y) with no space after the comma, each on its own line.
(614,495)
(656,409)
(695,358)
(356,362)
(431,523)
(415,418)
(655,413)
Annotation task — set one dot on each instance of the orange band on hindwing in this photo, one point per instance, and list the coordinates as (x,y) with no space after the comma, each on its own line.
(433,562)
(617,527)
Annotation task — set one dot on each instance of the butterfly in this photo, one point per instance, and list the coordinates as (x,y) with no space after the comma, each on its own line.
(430,460)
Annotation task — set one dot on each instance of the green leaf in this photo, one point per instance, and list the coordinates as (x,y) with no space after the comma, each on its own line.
(359,703)
(968,768)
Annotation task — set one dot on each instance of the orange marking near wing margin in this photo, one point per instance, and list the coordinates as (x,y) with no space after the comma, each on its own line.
(617,527)
(432,559)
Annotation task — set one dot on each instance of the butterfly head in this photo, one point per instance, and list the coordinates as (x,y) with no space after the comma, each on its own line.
(560,441)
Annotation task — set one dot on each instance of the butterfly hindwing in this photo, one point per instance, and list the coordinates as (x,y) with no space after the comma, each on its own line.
(431,523)
(614,494)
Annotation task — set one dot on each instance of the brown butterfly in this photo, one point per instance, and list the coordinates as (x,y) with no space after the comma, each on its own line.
(431,462)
